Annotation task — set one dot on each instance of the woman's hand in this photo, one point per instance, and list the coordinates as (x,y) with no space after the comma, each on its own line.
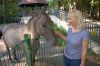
(60,35)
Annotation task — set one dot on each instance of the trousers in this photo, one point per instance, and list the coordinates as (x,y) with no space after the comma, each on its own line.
(71,62)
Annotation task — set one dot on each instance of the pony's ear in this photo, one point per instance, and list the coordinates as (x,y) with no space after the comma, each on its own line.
(43,11)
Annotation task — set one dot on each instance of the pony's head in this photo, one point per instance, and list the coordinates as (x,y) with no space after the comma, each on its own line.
(41,24)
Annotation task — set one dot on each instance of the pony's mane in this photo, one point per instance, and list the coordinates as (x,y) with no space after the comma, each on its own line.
(35,14)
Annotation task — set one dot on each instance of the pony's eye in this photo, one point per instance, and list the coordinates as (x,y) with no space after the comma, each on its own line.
(44,25)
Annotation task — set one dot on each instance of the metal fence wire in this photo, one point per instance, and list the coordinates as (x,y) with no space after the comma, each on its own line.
(94,31)
(94,47)
(47,55)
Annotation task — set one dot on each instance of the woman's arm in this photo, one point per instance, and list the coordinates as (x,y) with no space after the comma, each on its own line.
(84,52)
(60,35)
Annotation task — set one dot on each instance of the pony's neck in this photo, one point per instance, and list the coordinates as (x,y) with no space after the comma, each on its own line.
(30,31)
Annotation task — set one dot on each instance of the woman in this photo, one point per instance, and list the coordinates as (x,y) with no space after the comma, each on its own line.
(77,40)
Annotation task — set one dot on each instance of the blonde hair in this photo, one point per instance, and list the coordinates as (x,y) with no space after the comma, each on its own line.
(79,16)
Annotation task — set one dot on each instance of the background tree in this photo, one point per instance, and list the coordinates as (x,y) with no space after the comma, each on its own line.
(95,9)
(8,10)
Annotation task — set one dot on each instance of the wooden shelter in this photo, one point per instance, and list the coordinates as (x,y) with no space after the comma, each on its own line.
(33,3)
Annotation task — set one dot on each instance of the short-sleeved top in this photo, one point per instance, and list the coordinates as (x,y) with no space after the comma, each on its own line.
(73,49)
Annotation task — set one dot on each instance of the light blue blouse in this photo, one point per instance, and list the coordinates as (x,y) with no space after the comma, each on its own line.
(73,49)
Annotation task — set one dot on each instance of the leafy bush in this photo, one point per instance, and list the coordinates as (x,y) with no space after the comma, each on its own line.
(63,31)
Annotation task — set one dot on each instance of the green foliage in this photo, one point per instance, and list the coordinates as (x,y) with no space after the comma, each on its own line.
(89,8)
(63,31)
(60,29)
(53,4)
(9,9)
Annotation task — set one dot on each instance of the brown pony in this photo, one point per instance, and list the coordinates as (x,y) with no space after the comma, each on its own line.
(39,24)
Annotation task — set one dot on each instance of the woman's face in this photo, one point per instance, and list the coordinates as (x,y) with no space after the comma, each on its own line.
(72,20)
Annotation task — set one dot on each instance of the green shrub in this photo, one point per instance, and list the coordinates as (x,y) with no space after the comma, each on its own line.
(63,31)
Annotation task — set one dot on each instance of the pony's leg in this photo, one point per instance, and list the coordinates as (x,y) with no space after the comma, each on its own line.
(8,52)
(33,53)
(14,55)
(0,34)
(34,56)
(7,48)
(35,46)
